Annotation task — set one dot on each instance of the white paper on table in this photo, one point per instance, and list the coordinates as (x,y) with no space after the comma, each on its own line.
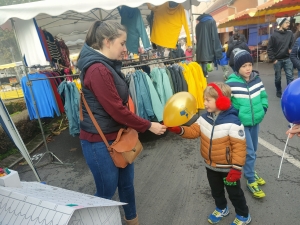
(40,204)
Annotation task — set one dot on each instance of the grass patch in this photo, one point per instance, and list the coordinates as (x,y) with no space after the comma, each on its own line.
(8,153)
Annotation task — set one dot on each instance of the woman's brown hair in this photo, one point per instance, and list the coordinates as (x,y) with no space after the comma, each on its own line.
(101,30)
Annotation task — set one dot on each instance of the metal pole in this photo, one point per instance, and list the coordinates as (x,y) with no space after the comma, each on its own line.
(192,27)
(257,41)
(100,15)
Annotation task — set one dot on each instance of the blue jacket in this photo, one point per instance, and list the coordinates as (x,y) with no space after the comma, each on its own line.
(295,54)
(131,18)
(43,94)
(71,95)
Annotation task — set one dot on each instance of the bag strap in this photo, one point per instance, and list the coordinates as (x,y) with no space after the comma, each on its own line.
(92,118)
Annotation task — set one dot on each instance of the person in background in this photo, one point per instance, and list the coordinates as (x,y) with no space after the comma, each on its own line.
(249,97)
(236,32)
(279,49)
(294,131)
(176,52)
(224,64)
(189,53)
(223,148)
(225,47)
(295,53)
(166,53)
(236,44)
(296,32)
(107,93)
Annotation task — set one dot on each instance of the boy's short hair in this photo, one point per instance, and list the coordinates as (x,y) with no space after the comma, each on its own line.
(211,92)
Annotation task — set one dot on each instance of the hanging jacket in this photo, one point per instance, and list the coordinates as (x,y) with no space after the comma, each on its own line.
(133,94)
(71,95)
(131,18)
(92,62)
(143,96)
(208,43)
(295,54)
(249,98)
(196,82)
(162,84)
(43,94)
(223,141)
(279,45)
(167,25)
(155,101)
(235,44)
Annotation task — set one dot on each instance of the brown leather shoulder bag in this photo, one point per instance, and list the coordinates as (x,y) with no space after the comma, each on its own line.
(127,145)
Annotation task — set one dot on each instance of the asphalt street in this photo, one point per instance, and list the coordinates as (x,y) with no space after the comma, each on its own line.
(170,179)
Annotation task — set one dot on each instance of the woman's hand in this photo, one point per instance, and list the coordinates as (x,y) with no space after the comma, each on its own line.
(295,130)
(157,128)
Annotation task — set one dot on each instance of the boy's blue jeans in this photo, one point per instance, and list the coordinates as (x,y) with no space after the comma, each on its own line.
(108,177)
(252,142)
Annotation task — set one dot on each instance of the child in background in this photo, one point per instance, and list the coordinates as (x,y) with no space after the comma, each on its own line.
(251,100)
(223,147)
(189,53)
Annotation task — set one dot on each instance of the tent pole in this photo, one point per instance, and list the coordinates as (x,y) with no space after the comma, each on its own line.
(192,28)
(100,15)
(257,41)
(29,84)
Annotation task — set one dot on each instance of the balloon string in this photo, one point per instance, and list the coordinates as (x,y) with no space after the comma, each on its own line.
(286,143)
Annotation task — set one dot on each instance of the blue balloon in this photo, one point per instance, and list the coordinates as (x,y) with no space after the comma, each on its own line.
(290,102)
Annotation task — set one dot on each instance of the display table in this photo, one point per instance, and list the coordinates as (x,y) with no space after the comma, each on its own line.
(36,204)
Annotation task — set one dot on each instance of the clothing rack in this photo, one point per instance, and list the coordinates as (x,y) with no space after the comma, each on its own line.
(139,61)
(64,76)
(160,61)
(29,84)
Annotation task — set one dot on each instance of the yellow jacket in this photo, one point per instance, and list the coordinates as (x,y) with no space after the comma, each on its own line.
(167,25)
(196,82)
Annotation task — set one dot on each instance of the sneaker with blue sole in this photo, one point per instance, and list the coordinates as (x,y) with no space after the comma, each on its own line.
(240,220)
(217,215)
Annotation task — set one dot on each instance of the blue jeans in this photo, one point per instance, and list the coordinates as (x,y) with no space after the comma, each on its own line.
(108,177)
(287,66)
(298,73)
(252,142)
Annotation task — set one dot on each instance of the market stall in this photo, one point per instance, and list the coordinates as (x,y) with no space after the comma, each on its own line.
(72,19)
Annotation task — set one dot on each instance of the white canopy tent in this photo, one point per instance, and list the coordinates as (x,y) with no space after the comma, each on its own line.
(70,19)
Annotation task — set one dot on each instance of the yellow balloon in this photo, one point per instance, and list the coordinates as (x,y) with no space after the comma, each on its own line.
(179,109)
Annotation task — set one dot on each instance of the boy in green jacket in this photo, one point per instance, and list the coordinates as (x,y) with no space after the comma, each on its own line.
(249,97)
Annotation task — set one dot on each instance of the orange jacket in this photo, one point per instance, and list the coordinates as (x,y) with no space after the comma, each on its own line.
(223,142)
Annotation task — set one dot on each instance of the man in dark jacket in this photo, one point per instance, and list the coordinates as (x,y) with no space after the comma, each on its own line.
(279,49)
(236,32)
(209,47)
(177,52)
